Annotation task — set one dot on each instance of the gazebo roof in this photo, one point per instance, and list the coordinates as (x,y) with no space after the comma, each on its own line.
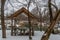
(25,11)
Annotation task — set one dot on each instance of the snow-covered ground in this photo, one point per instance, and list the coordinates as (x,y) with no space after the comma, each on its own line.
(38,35)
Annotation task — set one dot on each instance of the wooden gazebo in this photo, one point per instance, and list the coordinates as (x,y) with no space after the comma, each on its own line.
(17,13)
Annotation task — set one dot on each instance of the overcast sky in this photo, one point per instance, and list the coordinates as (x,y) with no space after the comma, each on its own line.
(9,9)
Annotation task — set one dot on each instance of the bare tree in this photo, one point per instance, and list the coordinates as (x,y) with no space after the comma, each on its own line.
(50,10)
(52,22)
(49,30)
(2,19)
(29,21)
(40,15)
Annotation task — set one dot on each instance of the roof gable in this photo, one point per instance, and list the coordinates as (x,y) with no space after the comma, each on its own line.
(23,10)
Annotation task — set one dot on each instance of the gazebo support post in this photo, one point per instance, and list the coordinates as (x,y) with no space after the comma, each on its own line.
(12,27)
(15,26)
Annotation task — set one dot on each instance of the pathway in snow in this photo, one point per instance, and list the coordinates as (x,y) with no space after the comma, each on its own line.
(38,35)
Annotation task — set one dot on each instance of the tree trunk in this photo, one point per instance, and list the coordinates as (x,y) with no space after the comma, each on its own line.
(29,21)
(50,10)
(2,19)
(50,28)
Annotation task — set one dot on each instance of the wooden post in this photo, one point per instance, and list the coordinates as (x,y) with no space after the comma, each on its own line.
(2,19)
(20,31)
(40,21)
(24,31)
(12,27)
(32,31)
